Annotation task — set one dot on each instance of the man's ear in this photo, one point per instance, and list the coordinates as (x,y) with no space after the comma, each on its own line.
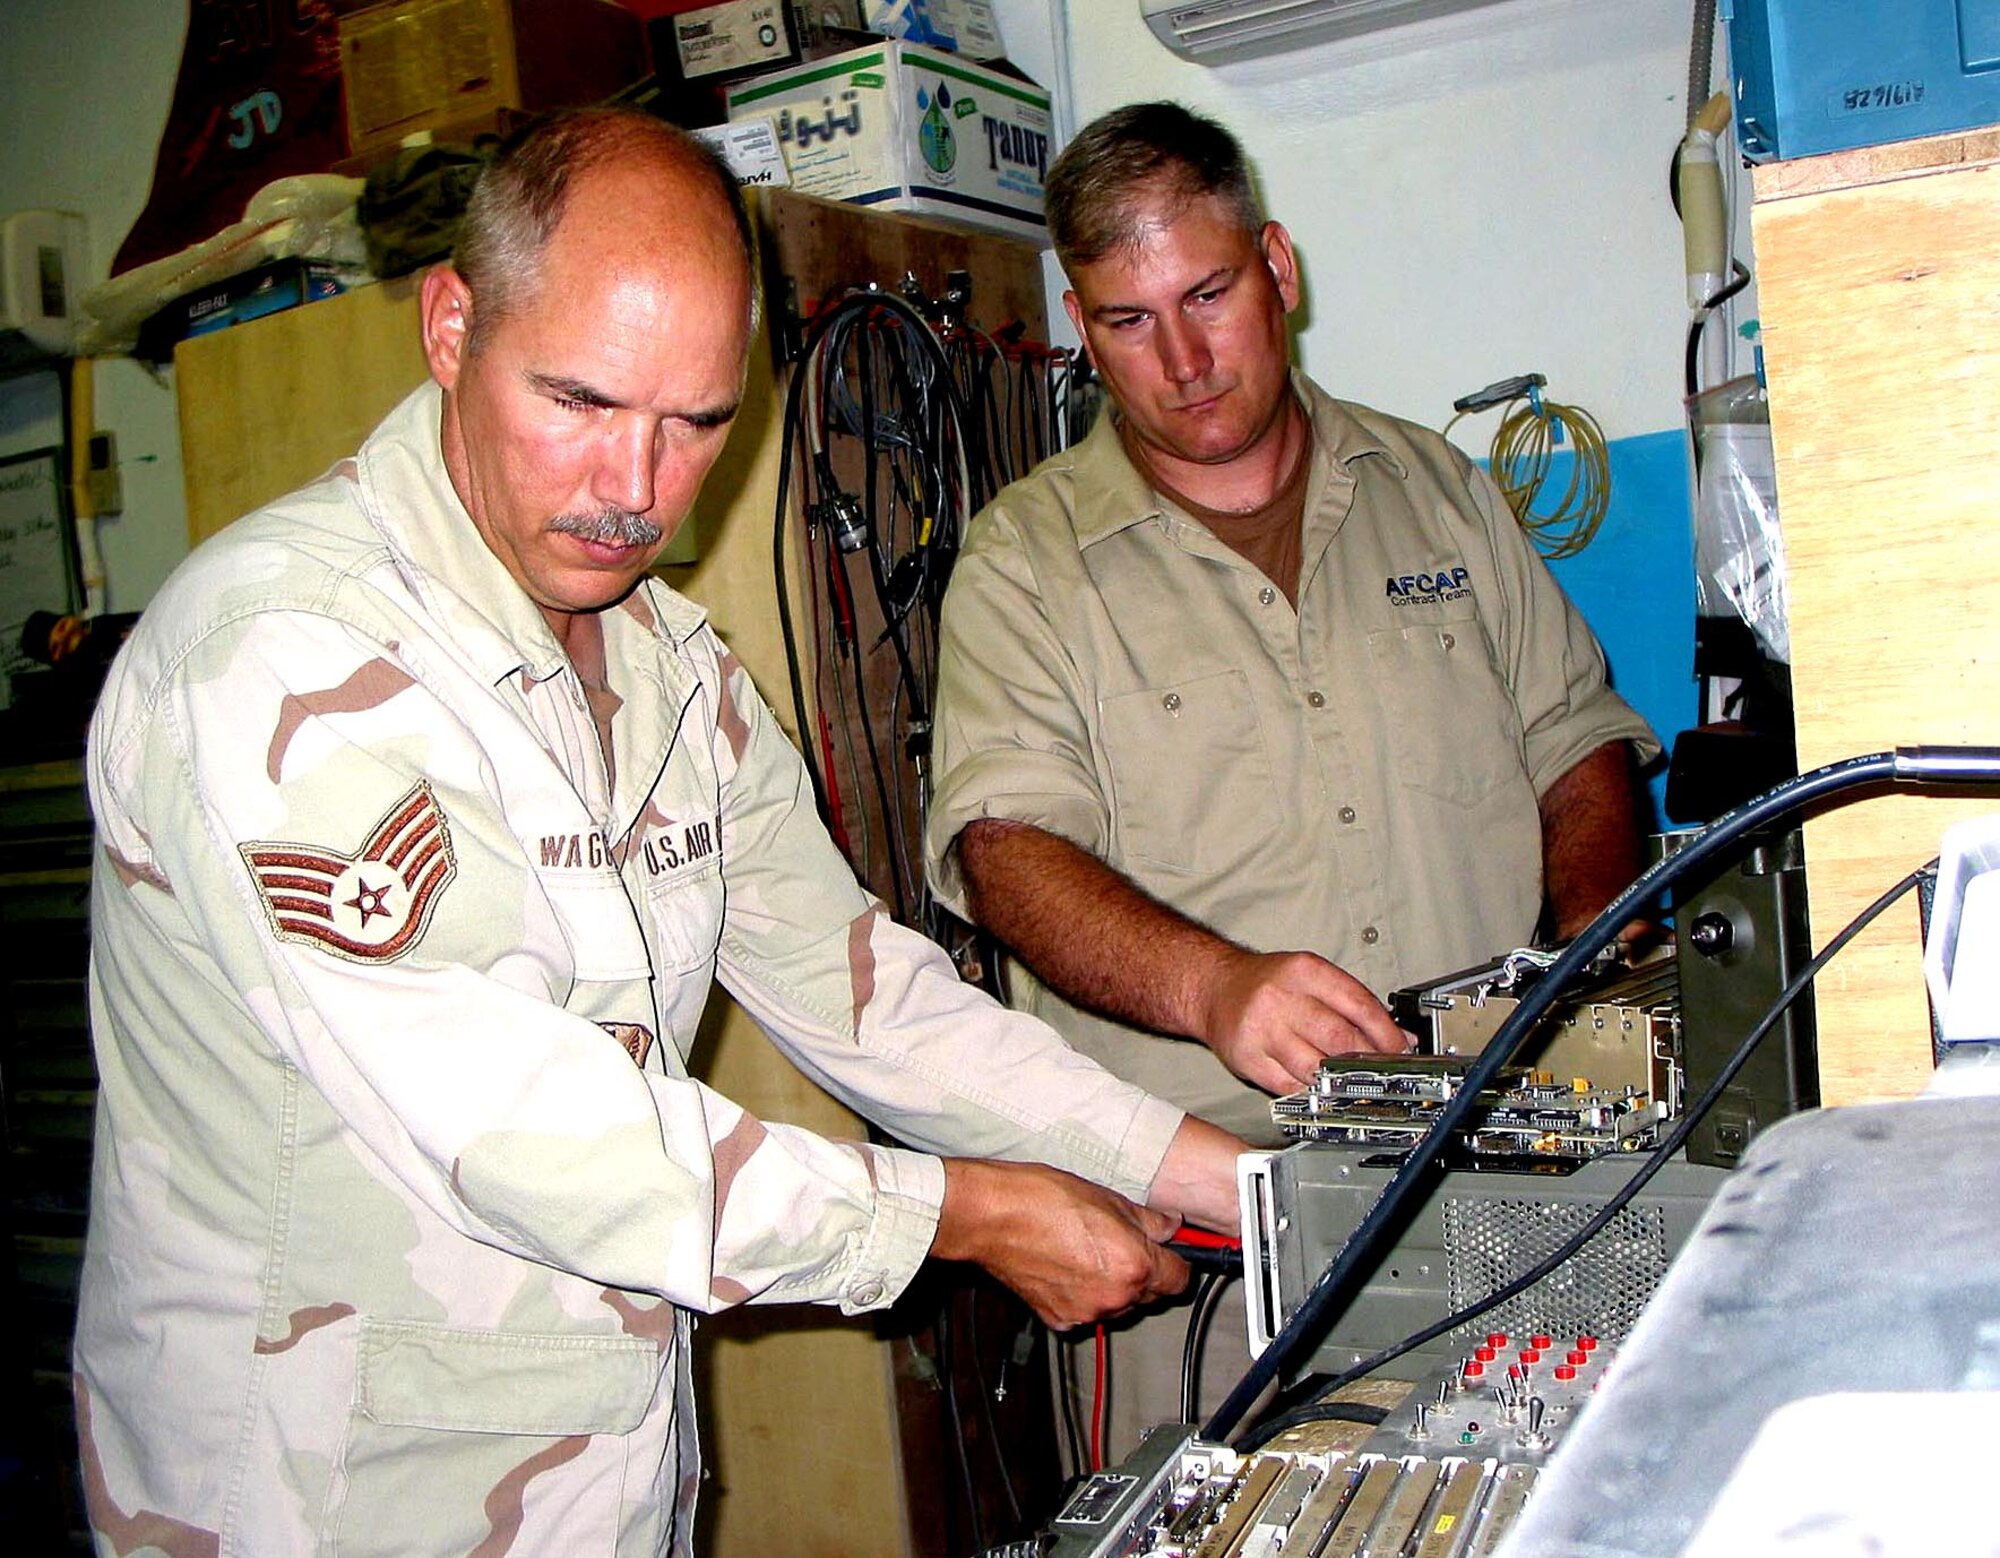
(1074,309)
(445,307)
(1283,263)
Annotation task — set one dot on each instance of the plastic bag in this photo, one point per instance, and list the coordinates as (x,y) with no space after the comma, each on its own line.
(310,216)
(1739,552)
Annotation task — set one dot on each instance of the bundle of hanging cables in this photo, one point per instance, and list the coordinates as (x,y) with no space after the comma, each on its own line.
(1018,396)
(900,421)
(897,428)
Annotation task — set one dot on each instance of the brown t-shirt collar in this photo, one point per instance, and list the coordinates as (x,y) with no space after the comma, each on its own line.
(1269,537)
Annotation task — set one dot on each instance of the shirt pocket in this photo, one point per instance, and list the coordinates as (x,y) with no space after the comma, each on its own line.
(603,938)
(685,910)
(452,1428)
(457,1379)
(1191,776)
(1453,728)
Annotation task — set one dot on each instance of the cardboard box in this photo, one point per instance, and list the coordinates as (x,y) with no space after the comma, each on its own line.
(965,27)
(448,66)
(912,129)
(698,50)
(733,38)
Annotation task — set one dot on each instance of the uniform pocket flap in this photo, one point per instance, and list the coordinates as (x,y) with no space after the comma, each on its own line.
(432,1376)
(604,940)
(1458,732)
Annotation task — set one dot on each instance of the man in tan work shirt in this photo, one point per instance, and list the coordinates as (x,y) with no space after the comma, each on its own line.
(1255,704)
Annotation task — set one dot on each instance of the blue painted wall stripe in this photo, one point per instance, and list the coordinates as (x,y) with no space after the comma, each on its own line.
(1634,583)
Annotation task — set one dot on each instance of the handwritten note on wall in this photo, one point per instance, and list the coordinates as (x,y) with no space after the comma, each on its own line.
(37,553)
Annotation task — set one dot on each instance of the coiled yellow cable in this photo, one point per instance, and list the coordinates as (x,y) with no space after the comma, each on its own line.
(1522,455)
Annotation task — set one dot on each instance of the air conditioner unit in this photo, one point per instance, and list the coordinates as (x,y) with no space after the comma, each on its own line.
(1214,31)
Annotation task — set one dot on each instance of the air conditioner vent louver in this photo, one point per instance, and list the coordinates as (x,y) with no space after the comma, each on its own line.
(1212,31)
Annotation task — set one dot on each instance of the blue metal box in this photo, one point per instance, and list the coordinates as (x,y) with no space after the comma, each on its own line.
(1822,75)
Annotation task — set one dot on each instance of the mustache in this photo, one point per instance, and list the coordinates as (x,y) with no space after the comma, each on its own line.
(609,527)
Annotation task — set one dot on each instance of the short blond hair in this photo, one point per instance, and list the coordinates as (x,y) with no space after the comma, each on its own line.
(1096,187)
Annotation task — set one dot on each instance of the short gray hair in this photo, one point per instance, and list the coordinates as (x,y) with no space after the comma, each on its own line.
(1094,189)
(520,198)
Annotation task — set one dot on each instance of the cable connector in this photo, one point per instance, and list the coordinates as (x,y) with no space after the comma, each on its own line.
(1210,1251)
(842,513)
(1501,391)
(1948,765)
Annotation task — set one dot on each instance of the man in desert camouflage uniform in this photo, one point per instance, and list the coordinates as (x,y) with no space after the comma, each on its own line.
(425,821)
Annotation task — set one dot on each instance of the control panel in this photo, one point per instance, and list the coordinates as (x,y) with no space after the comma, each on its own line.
(1446,1475)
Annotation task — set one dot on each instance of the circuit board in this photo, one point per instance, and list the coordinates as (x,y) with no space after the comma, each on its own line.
(1363,1101)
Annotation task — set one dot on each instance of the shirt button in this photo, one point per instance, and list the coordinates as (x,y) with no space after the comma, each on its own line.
(868,1293)
(1266,595)
(1347,814)
(1171,703)
(1448,641)
(1371,935)
(1316,698)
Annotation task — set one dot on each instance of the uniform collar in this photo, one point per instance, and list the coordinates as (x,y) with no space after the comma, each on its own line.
(1339,436)
(1113,495)
(411,501)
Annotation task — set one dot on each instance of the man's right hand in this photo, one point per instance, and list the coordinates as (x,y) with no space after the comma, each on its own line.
(1073,1251)
(1273,1016)
(1101,941)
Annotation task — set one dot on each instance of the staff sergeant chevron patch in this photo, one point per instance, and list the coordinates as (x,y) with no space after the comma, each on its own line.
(370,906)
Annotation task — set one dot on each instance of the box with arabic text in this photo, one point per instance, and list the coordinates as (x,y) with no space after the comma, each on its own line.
(911,128)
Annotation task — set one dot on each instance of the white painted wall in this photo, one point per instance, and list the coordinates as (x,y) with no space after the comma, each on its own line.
(1472,197)
(84,91)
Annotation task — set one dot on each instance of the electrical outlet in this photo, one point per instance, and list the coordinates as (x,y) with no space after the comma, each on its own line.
(105,485)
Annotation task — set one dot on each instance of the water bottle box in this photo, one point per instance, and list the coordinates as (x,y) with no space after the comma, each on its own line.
(911,128)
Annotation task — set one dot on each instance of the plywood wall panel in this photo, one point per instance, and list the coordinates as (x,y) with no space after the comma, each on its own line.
(268,405)
(1879,294)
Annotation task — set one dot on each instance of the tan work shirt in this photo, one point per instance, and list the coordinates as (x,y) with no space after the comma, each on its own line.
(1358,777)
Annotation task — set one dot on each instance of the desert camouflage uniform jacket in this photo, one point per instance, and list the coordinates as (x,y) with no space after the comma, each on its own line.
(402,1193)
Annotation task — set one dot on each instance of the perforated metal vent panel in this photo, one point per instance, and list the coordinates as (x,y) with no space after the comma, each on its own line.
(1489,1241)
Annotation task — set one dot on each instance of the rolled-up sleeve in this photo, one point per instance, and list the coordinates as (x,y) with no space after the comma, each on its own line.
(1549,655)
(1012,737)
